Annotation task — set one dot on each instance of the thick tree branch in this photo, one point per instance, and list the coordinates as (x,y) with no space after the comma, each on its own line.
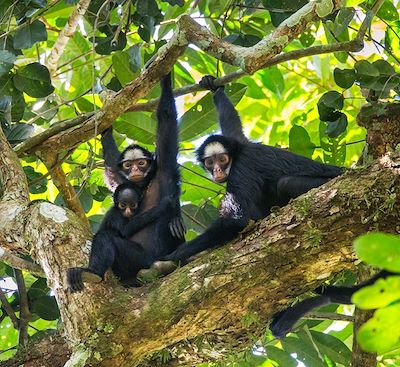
(290,253)
(66,33)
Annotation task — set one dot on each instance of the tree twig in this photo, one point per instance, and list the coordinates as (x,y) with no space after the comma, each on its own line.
(25,315)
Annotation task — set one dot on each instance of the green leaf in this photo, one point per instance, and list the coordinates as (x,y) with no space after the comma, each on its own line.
(18,104)
(28,35)
(272,78)
(379,249)
(381,333)
(300,141)
(46,308)
(381,294)
(5,110)
(343,20)
(37,182)
(306,353)
(388,11)
(138,126)
(332,100)
(147,7)
(7,60)
(174,2)
(202,116)
(34,80)
(18,133)
(106,45)
(344,78)
(332,347)
(280,356)
(121,66)
(85,198)
(198,218)
(337,127)
(384,67)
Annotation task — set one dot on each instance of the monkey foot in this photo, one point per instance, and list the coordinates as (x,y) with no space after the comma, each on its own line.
(157,270)
(88,277)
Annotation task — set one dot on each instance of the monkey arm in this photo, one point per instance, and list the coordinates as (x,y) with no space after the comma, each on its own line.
(229,120)
(110,149)
(167,151)
(111,156)
(219,233)
(142,220)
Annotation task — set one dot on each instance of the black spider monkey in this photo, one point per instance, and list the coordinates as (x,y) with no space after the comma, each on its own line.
(258,177)
(111,247)
(157,175)
(283,322)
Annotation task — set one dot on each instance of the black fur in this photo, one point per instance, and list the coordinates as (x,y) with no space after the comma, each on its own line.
(164,234)
(260,177)
(284,321)
(111,247)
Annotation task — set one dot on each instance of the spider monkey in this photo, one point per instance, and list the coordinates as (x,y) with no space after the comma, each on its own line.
(257,176)
(156,174)
(111,247)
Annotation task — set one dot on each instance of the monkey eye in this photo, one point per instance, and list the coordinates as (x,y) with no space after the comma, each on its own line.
(208,162)
(142,163)
(122,206)
(223,158)
(127,164)
(134,206)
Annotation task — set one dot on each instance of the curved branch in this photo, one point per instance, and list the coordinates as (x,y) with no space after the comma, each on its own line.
(66,33)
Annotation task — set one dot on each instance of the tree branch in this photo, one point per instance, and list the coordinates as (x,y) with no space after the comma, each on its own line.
(285,255)
(8,309)
(19,263)
(25,315)
(65,34)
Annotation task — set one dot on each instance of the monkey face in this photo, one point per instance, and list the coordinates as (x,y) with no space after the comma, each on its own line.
(128,202)
(136,164)
(136,170)
(218,165)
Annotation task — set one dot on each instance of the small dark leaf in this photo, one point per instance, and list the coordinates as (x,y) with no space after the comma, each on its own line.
(5,110)
(37,182)
(34,79)
(28,35)
(307,38)
(332,99)
(365,73)
(344,78)
(7,89)
(174,2)
(17,133)
(95,221)
(46,308)
(104,45)
(343,20)
(384,67)
(114,85)
(7,60)
(335,128)
(148,8)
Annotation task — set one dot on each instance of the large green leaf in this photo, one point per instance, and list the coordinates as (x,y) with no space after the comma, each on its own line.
(34,80)
(28,35)
(7,60)
(300,142)
(381,294)
(138,126)
(381,333)
(46,307)
(379,249)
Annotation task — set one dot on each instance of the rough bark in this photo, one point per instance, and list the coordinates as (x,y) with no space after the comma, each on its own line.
(290,253)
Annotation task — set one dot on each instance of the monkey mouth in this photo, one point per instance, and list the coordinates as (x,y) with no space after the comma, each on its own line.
(136,178)
(220,177)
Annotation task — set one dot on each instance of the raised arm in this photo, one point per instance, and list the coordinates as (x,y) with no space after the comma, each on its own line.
(111,155)
(166,155)
(229,120)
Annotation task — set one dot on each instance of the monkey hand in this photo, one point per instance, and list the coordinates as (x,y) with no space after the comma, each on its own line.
(177,227)
(208,82)
(280,325)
